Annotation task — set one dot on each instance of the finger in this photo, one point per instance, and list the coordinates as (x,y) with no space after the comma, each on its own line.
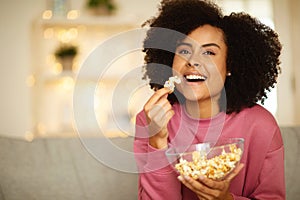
(197,187)
(200,194)
(159,109)
(157,95)
(213,184)
(235,172)
(168,116)
(164,118)
(158,124)
(152,107)
(187,183)
(159,117)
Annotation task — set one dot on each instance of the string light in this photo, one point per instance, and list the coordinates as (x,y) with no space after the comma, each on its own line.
(73,14)
(47,14)
(48,33)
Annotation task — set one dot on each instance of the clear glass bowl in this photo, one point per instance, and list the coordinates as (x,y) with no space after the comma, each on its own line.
(213,160)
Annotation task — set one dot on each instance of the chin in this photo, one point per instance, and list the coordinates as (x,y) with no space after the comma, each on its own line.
(191,96)
(199,96)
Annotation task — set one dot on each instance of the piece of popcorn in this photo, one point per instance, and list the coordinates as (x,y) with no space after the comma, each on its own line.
(171,83)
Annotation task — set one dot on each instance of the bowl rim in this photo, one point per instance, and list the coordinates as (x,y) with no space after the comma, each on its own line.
(183,149)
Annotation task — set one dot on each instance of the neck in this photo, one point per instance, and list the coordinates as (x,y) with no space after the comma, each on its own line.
(202,109)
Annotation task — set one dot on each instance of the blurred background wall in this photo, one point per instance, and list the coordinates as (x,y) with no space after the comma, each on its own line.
(31,106)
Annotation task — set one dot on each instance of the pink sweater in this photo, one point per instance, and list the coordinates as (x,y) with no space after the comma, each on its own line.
(261,178)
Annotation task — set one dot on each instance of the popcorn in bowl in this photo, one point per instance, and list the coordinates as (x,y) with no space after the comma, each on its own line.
(205,159)
(171,83)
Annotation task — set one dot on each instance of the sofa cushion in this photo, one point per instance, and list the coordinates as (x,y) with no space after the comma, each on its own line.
(63,169)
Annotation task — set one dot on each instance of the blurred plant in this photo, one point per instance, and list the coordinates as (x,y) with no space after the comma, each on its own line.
(66,51)
(65,55)
(108,4)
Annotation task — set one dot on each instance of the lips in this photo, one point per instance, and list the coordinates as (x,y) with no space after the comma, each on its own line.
(195,77)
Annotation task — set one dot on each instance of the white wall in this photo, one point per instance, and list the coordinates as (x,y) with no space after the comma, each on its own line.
(295,30)
(15,106)
(287,22)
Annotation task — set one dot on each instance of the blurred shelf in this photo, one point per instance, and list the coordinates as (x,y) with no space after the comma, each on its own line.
(54,90)
(108,21)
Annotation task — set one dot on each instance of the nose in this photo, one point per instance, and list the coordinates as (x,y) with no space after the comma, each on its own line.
(194,61)
(194,64)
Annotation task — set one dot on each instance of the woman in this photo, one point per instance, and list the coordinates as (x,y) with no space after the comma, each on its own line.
(226,64)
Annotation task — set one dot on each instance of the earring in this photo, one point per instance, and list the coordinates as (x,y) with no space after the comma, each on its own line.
(228,74)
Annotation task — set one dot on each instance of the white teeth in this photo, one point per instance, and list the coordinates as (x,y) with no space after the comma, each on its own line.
(195,77)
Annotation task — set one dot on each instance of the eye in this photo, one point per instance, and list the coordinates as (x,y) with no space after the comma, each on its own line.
(210,53)
(184,52)
(183,49)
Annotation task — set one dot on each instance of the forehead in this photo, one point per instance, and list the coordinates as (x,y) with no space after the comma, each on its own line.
(206,34)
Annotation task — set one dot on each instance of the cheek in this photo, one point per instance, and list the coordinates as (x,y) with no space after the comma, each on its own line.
(223,72)
(178,63)
(221,69)
(217,76)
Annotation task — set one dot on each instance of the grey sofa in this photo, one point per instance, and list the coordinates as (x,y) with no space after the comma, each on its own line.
(62,169)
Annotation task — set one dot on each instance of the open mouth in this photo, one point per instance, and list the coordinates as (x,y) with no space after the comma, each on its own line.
(195,78)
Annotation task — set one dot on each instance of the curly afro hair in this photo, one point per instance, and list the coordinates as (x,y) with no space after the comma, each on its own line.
(252,55)
(253,60)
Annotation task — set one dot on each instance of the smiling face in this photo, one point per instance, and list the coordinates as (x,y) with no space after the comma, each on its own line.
(200,62)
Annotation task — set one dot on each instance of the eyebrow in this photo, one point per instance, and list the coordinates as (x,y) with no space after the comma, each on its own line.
(204,45)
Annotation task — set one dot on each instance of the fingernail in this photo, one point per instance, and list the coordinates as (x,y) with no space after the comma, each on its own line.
(180,178)
(187,178)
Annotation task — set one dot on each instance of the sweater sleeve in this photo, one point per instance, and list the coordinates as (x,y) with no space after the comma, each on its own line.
(157,179)
(271,181)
